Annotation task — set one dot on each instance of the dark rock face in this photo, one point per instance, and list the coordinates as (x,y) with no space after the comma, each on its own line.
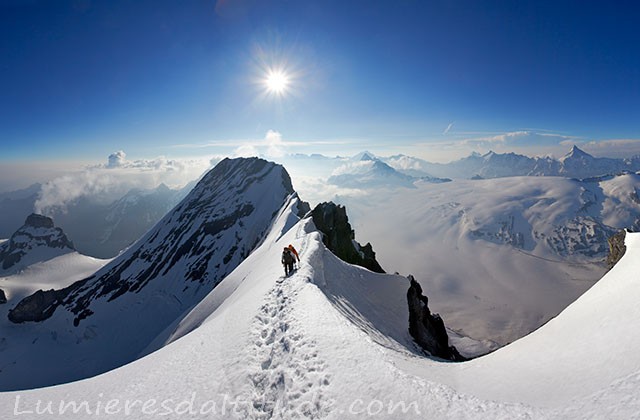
(39,221)
(37,232)
(617,248)
(332,221)
(36,307)
(428,329)
(3,297)
(303,209)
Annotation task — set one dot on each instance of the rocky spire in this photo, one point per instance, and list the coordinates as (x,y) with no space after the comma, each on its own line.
(37,234)
(332,221)
(428,329)
(617,248)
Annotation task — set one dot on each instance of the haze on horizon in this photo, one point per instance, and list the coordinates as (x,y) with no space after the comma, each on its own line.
(176,84)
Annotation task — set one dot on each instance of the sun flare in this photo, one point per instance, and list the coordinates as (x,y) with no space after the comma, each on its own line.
(277,82)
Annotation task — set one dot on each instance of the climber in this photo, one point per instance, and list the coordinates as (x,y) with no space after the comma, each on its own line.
(287,261)
(293,250)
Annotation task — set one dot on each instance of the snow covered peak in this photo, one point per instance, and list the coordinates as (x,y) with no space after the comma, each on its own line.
(364,156)
(368,174)
(579,164)
(576,153)
(240,173)
(382,167)
(37,240)
(488,155)
(200,241)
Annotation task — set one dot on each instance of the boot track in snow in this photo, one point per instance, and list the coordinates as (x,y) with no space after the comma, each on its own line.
(289,380)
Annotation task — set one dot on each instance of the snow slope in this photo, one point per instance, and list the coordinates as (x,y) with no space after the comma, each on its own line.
(323,344)
(54,273)
(590,348)
(582,364)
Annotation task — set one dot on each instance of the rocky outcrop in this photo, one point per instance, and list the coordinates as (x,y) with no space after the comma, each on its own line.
(332,221)
(37,232)
(617,248)
(3,297)
(37,307)
(303,208)
(428,329)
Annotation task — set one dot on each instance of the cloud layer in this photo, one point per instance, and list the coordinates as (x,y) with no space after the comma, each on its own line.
(107,182)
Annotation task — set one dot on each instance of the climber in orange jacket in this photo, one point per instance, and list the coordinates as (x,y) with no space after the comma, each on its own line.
(293,250)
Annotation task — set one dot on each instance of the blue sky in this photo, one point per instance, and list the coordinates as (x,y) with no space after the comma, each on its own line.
(81,79)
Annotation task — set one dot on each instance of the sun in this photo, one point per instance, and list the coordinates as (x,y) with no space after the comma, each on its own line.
(277,82)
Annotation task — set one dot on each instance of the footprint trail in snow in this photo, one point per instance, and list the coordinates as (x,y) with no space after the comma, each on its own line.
(289,379)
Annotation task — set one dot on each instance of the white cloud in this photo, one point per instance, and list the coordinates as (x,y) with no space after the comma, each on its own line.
(446,130)
(246,150)
(353,168)
(116,159)
(406,163)
(17,175)
(275,145)
(316,190)
(272,146)
(107,182)
(521,139)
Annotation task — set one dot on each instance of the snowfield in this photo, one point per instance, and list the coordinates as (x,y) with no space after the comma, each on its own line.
(330,342)
(49,273)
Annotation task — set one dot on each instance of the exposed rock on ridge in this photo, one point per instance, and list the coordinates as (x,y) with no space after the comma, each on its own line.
(428,329)
(37,307)
(617,248)
(332,221)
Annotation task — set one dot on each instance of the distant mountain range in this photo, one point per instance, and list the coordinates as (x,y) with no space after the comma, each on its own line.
(368,171)
(575,164)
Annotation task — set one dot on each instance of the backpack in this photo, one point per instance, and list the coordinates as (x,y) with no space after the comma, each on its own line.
(287,257)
